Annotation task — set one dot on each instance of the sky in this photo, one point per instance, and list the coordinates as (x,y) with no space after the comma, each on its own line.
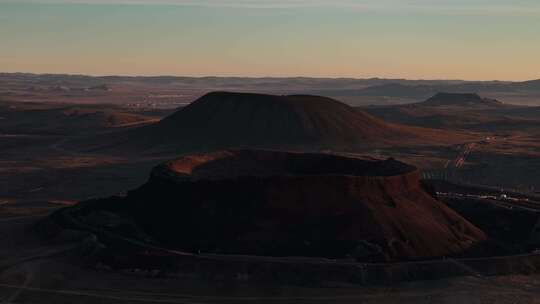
(415,39)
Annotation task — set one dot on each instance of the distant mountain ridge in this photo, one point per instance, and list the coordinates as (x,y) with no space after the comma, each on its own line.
(353,91)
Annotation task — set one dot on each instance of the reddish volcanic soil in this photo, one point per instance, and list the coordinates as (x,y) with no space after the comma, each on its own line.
(290,204)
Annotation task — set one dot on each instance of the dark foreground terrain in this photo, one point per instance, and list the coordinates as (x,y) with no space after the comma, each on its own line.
(35,270)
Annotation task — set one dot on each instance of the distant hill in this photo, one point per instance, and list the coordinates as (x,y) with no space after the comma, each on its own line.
(102,87)
(257,119)
(244,120)
(532,85)
(460,99)
(399,90)
(461,111)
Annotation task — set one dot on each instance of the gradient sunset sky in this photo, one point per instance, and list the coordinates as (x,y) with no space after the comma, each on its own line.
(429,39)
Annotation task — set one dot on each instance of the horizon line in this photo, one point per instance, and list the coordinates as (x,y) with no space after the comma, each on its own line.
(265,77)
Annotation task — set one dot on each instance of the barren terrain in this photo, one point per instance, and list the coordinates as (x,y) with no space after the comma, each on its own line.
(46,123)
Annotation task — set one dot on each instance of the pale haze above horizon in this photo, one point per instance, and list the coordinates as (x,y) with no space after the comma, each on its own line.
(415,39)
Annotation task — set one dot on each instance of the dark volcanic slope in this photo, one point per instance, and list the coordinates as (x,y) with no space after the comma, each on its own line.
(238,120)
(291,204)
